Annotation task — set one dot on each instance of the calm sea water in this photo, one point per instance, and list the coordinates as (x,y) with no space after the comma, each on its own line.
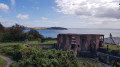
(54,33)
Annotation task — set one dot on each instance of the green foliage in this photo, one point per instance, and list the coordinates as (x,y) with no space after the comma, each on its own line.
(9,43)
(33,35)
(16,33)
(1,28)
(16,29)
(44,43)
(12,51)
(87,62)
(36,57)
(112,49)
(2,62)
(118,63)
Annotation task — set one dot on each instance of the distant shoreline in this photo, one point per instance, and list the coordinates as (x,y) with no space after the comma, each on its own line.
(46,28)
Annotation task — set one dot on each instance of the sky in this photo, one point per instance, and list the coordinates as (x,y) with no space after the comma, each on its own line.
(61,13)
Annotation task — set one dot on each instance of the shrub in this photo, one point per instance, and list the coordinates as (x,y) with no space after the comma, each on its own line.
(12,51)
(33,35)
(35,57)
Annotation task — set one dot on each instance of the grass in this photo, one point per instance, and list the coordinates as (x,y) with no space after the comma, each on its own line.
(44,43)
(9,43)
(29,42)
(112,48)
(89,62)
(2,63)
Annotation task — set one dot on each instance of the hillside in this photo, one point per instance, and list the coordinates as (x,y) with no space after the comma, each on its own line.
(47,28)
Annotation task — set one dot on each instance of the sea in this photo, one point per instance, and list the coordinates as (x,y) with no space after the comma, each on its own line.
(54,33)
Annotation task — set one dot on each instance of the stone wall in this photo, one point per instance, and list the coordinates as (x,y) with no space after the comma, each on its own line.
(108,59)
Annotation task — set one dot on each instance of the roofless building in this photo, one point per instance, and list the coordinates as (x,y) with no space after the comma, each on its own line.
(83,44)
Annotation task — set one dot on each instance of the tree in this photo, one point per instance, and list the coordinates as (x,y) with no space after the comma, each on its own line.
(14,33)
(1,28)
(34,35)
(16,29)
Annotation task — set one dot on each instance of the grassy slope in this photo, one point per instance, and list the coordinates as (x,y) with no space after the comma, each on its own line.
(112,48)
(2,62)
(29,42)
(10,43)
(84,62)
(88,62)
(38,43)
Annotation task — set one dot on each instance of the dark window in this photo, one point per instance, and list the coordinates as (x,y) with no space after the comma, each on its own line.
(73,46)
(73,43)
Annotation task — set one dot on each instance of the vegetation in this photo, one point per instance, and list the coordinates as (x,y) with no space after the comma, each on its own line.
(33,35)
(29,42)
(44,43)
(90,63)
(1,28)
(112,49)
(12,51)
(9,43)
(2,62)
(16,33)
(38,57)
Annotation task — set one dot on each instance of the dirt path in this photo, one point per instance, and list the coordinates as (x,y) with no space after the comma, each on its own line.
(8,60)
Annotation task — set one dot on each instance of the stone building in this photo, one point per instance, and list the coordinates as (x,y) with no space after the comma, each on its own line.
(83,44)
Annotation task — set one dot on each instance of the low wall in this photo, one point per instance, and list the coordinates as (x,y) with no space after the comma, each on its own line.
(46,46)
(84,54)
(109,59)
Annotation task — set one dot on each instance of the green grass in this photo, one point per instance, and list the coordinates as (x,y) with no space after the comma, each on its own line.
(29,42)
(44,43)
(90,63)
(2,63)
(112,48)
(9,43)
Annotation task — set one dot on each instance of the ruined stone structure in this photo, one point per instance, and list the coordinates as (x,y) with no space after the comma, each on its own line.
(83,44)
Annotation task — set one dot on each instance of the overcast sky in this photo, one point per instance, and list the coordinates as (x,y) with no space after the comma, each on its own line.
(62,13)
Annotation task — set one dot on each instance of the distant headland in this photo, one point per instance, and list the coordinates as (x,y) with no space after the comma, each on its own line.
(47,28)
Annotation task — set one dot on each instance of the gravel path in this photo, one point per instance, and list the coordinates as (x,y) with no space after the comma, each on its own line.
(8,60)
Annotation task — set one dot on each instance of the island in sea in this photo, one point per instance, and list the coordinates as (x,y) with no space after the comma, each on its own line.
(47,28)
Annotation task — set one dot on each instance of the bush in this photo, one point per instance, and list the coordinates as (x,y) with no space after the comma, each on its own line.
(35,57)
(38,57)
(16,33)
(12,51)
(33,35)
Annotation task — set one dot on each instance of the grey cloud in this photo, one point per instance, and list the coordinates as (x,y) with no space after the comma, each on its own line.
(95,8)
(110,13)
